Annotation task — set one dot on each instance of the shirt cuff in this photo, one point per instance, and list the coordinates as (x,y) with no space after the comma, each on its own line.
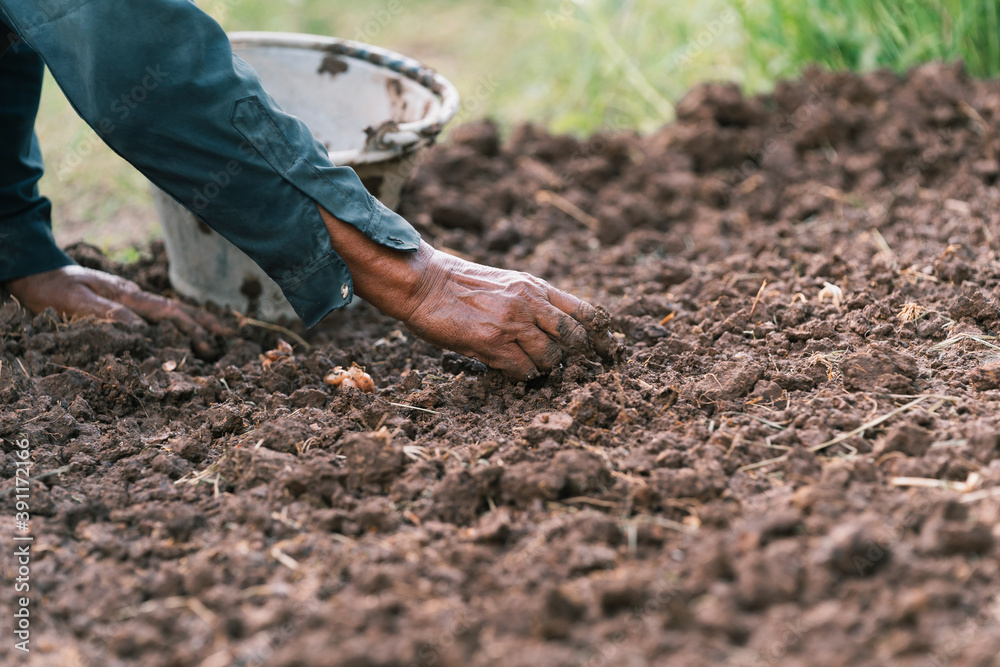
(317,289)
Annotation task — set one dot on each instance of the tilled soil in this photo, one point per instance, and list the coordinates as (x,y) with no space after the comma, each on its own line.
(798,463)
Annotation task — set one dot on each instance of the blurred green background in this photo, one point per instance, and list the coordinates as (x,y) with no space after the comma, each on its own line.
(574,65)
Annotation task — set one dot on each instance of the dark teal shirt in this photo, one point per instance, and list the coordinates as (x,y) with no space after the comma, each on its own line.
(203,118)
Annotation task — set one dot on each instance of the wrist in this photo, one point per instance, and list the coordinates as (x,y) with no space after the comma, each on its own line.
(388,279)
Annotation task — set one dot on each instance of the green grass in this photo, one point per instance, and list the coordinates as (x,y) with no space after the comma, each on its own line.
(575,66)
(862,35)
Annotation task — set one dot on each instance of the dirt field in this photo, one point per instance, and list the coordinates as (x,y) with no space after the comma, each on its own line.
(798,464)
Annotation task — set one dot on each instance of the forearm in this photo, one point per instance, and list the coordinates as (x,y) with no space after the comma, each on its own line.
(388,279)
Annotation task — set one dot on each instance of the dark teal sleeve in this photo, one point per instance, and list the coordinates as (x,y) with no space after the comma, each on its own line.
(158,82)
(26,242)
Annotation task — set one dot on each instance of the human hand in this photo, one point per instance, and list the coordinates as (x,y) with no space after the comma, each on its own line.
(508,320)
(74,291)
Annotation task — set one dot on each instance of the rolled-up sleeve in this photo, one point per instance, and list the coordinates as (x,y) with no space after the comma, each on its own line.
(159,83)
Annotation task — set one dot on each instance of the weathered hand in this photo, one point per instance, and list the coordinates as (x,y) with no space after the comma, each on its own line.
(74,291)
(508,320)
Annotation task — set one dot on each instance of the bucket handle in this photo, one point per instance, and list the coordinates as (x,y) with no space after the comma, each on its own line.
(388,136)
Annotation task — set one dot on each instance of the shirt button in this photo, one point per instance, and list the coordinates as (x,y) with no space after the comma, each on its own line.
(344,290)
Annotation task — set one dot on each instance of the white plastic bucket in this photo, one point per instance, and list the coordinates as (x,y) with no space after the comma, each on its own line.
(373,110)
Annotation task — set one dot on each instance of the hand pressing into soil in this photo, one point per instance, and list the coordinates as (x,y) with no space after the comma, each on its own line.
(508,320)
(73,291)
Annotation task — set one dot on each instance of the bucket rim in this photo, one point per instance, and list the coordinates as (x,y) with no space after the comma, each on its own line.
(412,134)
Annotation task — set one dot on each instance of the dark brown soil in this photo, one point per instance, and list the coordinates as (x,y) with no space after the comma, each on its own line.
(782,472)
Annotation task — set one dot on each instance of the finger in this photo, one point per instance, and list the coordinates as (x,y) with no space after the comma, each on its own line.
(594,324)
(205,321)
(212,323)
(149,306)
(581,311)
(107,285)
(152,307)
(543,351)
(563,329)
(156,308)
(596,321)
(86,302)
(512,360)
